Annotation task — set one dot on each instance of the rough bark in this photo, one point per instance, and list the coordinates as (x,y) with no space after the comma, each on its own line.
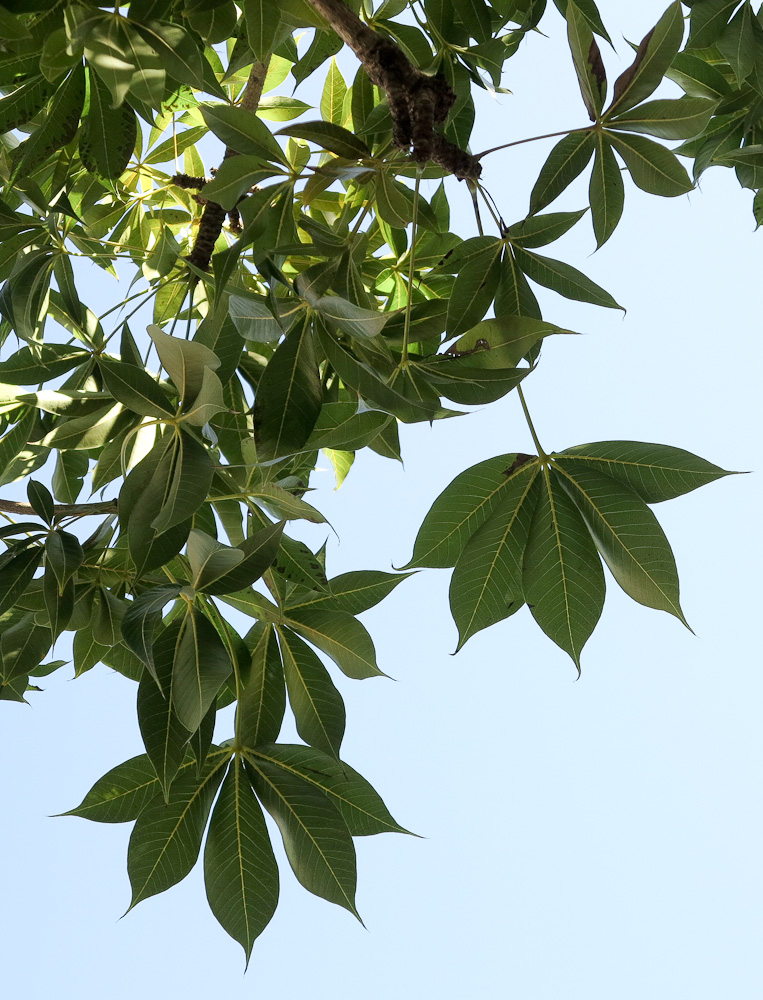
(417,102)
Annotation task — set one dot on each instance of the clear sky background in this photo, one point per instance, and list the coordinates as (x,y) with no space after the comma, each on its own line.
(596,839)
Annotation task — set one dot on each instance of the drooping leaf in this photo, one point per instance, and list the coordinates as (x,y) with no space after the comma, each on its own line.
(317,705)
(166,838)
(164,738)
(202,664)
(486,586)
(262,703)
(606,191)
(628,537)
(562,578)
(317,842)
(358,803)
(339,635)
(240,870)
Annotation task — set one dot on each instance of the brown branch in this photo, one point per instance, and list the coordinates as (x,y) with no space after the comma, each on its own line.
(62,509)
(213,216)
(417,102)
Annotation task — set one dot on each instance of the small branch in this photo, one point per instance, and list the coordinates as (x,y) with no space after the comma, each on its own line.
(62,509)
(213,216)
(417,102)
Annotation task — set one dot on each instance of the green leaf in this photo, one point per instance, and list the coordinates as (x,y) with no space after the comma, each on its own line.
(317,705)
(283,504)
(185,361)
(106,52)
(260,549)
(56,131)
(352,592)
(606,191)
(655,472)
(628,537)
(330,137)
(340,636)
(263,21)
(164,738)
(68,475)
(514,296)
(182,58)
(653,168)
(187,471)
(538,230)
(358,803)
(240,870)
(209,559)
(588,62)
(563,278)
(45,362)
(681,119)
(23,647)
(562,578)
(243,131)
(473,291)
(486,586)
(738,42)
(149,77)
(566,161)
(708,21)
(317,842)
(351,319)
(25,102)
(697,78)
(40,500)
(121,794)
(343,425)
(17,567)
(141,620)
(465,504)
(134,388)
(334,93)
(653,58)
(201,667)
(166,839)
(64,556)
(262,703)
(288,398)
(235,177)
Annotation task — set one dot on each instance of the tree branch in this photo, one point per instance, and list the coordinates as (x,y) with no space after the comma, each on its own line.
(213,216)
(417,102)
(62,509)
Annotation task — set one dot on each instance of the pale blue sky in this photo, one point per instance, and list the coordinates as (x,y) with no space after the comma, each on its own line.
(586,841)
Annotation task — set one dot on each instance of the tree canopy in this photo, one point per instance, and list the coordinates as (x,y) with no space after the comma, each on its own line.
(298,295)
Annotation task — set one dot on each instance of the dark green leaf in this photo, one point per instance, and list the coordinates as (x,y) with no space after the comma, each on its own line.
(653,58)
(164,738)
(240,870)
(473,291)
(340,636)
(567,159)
(330,137)
(107,137)
(135,388)
(317,705)
(563,278)
(262,702)
(606,191)
(562,578)
(655,472)
(202,665)
(486,586)
(166,839)
(243,131)
(317,842)
(653,168)
(141,620)
(681,119)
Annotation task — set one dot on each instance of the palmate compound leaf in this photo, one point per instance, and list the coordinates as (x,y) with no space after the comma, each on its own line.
(359,804)
(317,705)
(628,537)
(465,504)
(240,869)
(317,842)
(562,578)
(656,472)
(486,586)
(166,838)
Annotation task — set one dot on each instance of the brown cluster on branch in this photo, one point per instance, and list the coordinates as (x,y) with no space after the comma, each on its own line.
(417,102)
